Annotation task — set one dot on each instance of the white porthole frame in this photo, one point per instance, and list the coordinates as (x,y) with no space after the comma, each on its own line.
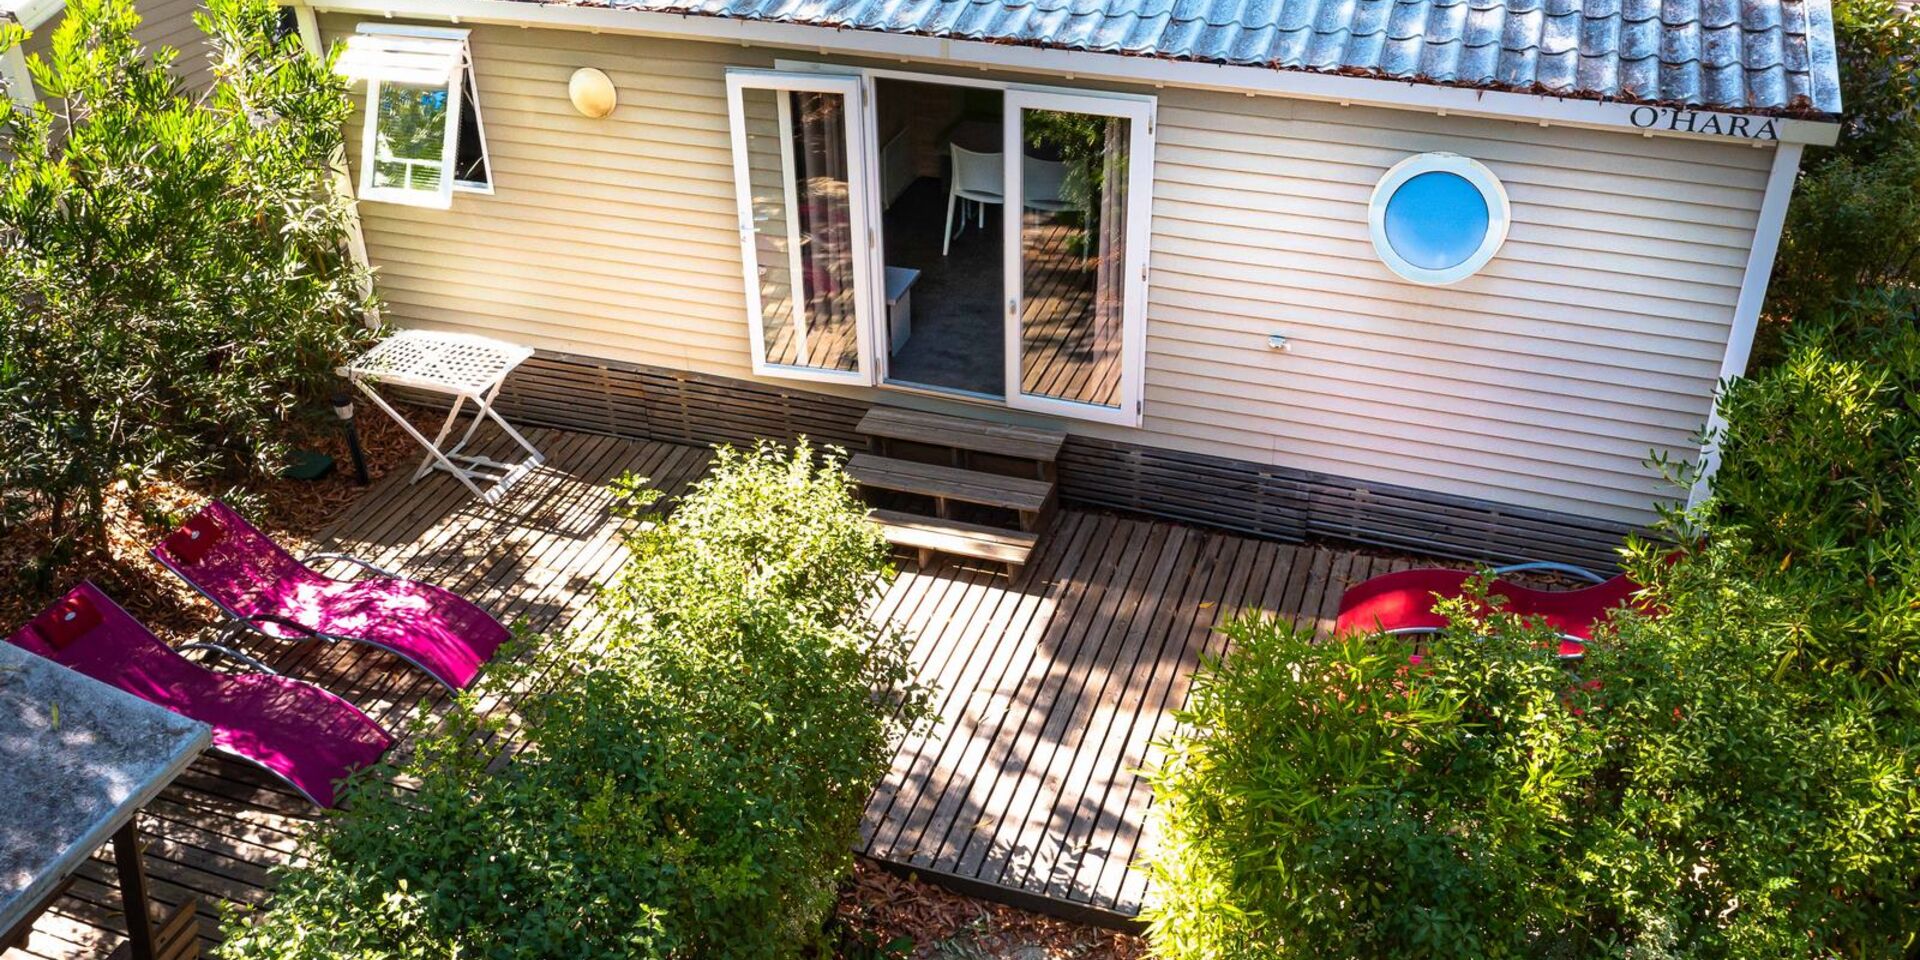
(1499,215)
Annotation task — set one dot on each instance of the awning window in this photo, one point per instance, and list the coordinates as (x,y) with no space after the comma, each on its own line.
(423,137)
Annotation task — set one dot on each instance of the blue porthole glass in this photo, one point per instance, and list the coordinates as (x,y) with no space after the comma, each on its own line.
(1437,217)
(1437,220)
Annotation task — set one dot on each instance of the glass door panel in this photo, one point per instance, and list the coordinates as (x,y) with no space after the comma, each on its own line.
(1077,174)
(800,180)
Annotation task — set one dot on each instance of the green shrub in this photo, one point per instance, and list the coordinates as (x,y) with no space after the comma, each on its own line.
(1853,229)
(692,783)
(1820,482)
(1744,781)
(1338,799)
(1854,222)
(173,277)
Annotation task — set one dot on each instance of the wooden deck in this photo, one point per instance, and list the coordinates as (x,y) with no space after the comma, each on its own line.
(1051,688)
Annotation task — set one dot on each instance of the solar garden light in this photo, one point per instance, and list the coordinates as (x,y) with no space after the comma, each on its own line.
(343,408)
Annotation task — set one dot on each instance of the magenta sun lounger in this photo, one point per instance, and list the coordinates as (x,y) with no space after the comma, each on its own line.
(294,730)
(267,589)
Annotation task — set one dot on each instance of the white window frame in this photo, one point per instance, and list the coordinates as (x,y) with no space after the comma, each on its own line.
(859,190)
(1141,108)
(1499,215)
(458,84)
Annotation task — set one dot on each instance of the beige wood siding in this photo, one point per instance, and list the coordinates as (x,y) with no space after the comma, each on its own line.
(162,23)
(1544,381)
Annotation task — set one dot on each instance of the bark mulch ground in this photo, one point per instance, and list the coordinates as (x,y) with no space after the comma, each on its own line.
(886,916)
(292,511)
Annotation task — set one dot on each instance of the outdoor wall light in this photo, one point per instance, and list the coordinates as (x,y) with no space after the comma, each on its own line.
(592,93)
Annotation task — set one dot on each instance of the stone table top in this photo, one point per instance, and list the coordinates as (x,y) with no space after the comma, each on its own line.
(77,760)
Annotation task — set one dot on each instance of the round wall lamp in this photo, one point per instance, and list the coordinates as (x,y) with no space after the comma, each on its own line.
(1437,218)
(592,93)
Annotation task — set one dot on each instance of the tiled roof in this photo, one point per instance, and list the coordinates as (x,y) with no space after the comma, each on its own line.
(1738,55)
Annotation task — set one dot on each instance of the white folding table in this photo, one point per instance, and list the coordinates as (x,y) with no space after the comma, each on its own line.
(468,368)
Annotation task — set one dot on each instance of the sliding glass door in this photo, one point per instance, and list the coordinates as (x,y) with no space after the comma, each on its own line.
(800,176)
(1078,170)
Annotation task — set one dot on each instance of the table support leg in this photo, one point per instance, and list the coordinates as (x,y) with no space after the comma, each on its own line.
(433,450)
(486,407)
(133,890)
(453,416)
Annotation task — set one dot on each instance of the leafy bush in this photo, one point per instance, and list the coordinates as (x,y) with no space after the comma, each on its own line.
(1853,230)
(173,271)
(1821,482)
(1353,798)
(692,782)
(1879,75)
(1738,776)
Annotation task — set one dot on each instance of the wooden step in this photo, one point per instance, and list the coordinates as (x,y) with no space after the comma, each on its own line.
(1011,547)
(961,433)
(950,483)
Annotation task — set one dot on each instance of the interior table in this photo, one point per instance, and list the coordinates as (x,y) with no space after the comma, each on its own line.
(468,368)
(80,760)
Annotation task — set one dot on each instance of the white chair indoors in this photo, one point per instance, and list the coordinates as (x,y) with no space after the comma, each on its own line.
(1043,185)
(977,177)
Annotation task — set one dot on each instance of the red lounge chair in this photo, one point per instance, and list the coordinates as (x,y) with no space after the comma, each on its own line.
(295,730)
(267,589)
(1404,602)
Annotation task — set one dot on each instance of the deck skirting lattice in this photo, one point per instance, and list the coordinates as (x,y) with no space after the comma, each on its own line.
(652,403)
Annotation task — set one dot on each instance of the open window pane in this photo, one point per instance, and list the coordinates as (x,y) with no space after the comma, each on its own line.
(1073,255)
(471,168)
(802,227)
(423,133)
(410,138)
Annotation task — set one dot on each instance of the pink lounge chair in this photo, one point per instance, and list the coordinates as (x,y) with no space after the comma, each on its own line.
(267,589)
(1403,602)
(294,730)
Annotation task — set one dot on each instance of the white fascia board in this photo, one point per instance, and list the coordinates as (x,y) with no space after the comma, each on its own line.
(32,13)
(1395,94)
(1746,311)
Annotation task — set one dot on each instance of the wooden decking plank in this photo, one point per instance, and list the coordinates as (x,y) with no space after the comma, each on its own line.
(1000,636)
(955,809)
(1064,831)
(1098,822)
(993,639)
(941,658)
(598,557)
(962,853)
(1244,569)
(446,557)
(1064,733)
(1339,570)
(1061,689)
(1099,761)
(1210,580)
(503,552)
(921,592)
(914,768)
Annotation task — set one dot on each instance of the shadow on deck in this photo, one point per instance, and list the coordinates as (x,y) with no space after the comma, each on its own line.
(1050,689)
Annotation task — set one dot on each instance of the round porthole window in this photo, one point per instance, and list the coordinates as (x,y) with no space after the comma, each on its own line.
(1437,217)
